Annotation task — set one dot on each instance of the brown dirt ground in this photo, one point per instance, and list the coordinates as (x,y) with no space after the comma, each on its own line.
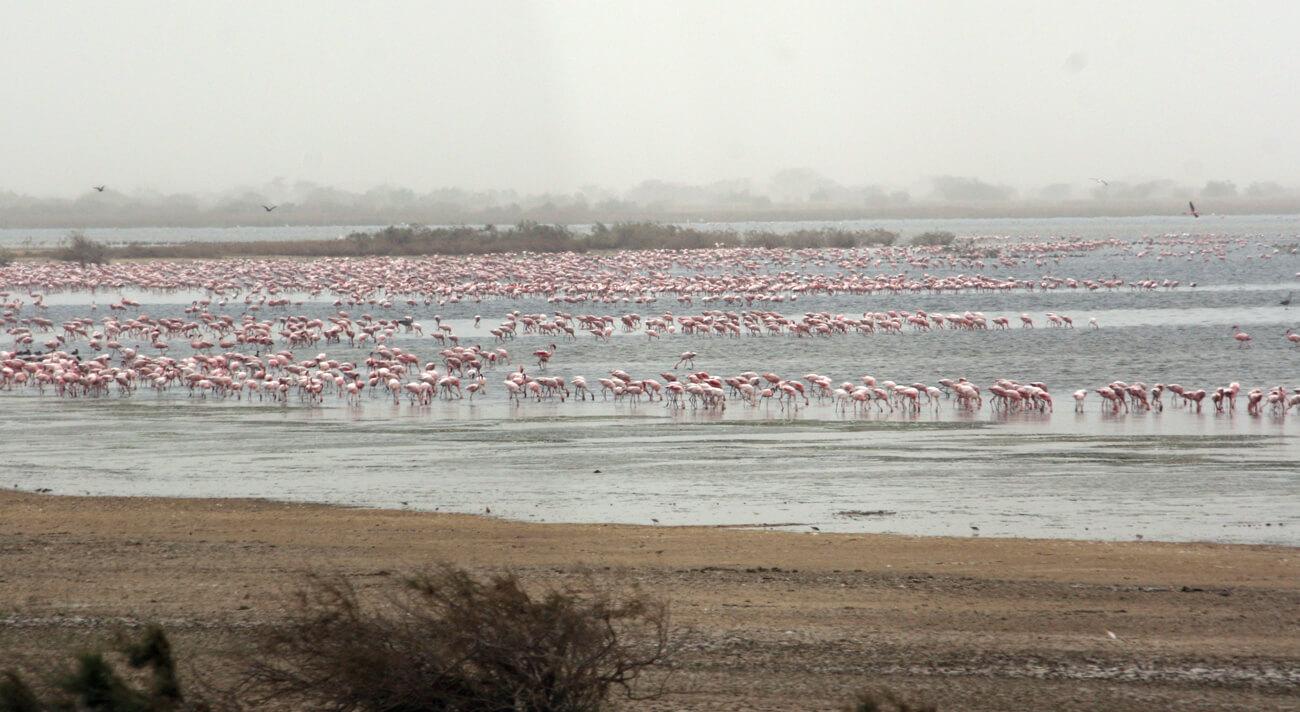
(780,620)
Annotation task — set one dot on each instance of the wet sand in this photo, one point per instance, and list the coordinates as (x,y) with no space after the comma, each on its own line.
(784,620)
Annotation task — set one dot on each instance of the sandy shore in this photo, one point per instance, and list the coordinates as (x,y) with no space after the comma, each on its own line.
(787,621)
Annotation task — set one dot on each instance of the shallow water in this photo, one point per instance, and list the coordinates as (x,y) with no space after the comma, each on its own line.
(1174,475)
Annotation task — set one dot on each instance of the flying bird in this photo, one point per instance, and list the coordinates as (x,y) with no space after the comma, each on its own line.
(1191,207)
(99,188)
(1102,181)
(269,208)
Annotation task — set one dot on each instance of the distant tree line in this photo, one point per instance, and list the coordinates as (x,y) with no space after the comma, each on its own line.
(796,194)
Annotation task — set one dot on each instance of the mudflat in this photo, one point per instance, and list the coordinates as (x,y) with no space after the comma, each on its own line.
(780,620)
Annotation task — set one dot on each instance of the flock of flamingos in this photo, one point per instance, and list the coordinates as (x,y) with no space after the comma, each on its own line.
(239,339)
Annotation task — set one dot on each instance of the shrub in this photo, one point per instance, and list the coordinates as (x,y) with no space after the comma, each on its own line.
(934,238)
(765,239)
(412,240)
(878,236)
(15,695)
(446,640)
(648,235)
(93,684)
(819,238)
(883,700)
(83,250)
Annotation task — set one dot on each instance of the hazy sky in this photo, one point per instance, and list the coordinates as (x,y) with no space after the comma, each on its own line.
(204,96)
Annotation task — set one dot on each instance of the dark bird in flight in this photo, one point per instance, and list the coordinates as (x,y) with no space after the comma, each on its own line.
(1192,209)
(99,188)
(269,208)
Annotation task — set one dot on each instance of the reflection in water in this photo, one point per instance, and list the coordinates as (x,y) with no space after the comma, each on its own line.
(1171,476)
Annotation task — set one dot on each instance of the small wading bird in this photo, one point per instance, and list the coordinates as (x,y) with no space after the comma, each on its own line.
(1287,302)
(269,208)
(1191,210)
(99,188)
(1242,337)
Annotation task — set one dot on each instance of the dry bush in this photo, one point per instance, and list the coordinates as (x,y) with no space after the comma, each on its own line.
(446,640)
(885,700)
(655,236)
(16,695)
(934,238)
(94,684)
(417,240)
(83,250)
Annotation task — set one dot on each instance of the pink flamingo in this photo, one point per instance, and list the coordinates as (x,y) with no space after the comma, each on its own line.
(544,357)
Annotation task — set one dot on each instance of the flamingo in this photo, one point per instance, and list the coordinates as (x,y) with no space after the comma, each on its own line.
(544,356)
(1242,337)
